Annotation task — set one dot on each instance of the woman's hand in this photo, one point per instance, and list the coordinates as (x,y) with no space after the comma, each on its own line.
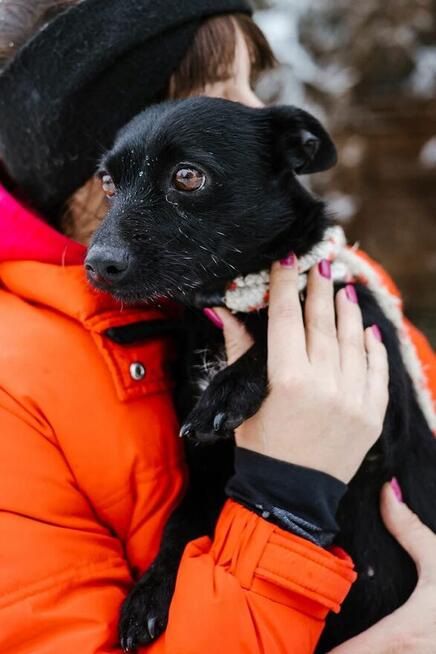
(411,629)
(328,385)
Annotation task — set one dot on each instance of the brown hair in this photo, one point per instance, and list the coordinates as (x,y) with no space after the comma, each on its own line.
(211,56)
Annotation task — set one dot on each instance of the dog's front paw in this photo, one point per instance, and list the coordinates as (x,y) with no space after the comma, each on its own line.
(231,398)
(144,613)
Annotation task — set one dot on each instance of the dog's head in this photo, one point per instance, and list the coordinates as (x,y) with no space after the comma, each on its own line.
(202,190)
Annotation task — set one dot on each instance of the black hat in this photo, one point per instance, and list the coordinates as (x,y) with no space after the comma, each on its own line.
(67,92)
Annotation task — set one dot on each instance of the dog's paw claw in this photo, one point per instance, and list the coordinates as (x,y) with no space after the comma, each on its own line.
(215,416)
(127,644)
(136,632)
(219,421)
(152,627)
(144,612)
(186,430)
(128,641)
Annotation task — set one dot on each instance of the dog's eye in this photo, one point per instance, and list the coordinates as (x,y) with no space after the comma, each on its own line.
(108,185)
(189,179)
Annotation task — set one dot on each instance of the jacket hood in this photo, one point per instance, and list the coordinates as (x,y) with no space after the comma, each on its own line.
(25,236)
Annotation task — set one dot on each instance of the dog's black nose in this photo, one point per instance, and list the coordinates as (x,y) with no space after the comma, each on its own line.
(110,265)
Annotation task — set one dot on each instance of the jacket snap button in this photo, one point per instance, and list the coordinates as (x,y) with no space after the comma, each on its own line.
(137,371)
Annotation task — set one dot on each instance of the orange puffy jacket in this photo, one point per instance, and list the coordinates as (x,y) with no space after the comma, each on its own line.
(90,469)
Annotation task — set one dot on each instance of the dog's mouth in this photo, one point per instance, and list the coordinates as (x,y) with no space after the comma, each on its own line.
(194,293)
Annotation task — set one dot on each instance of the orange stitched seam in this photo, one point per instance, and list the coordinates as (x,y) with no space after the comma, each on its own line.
(306,556)
(279,575)
(10,598)
(111,318)
(280,603)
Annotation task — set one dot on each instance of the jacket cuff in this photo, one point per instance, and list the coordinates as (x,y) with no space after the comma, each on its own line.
(300,500)
(280,565)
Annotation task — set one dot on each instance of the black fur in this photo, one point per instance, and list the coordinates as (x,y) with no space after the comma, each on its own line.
(252,210)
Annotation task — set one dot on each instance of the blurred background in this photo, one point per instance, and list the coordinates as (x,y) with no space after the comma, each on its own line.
(367,69)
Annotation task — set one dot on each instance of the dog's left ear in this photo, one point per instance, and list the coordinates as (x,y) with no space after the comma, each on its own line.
(301,141)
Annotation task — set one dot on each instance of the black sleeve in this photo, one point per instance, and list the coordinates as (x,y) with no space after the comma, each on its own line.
(300,500)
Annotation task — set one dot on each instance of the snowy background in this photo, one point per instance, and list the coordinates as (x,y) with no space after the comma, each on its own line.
(368,70)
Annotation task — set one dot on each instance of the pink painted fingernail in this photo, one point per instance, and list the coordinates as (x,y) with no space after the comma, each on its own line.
(289,261)
(377,333)
(397,489)
(351,293)
(325,269)
(213,317)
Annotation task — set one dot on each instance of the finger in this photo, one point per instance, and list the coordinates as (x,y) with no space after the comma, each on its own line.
(286,335)
(377,379)
(319,313)
(417,539)
(351,341)
(236,337)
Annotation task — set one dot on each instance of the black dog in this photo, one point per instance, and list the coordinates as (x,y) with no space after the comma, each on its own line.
(203,190)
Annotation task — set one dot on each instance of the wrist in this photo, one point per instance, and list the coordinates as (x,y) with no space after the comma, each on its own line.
(298,499)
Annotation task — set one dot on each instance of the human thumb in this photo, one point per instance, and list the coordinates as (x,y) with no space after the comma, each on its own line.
(417,539)
(236,337)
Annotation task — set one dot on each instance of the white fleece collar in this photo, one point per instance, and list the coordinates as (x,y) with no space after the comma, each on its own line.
(251,293)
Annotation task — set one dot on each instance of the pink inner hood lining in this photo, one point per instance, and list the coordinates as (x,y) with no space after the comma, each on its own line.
(24,236)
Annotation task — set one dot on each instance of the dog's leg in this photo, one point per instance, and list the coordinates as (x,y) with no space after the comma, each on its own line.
(233,395)
(144,613)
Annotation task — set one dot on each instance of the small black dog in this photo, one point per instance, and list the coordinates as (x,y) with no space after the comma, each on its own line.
(203,190)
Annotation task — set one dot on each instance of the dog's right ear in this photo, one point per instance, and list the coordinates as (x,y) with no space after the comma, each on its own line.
(301,142)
